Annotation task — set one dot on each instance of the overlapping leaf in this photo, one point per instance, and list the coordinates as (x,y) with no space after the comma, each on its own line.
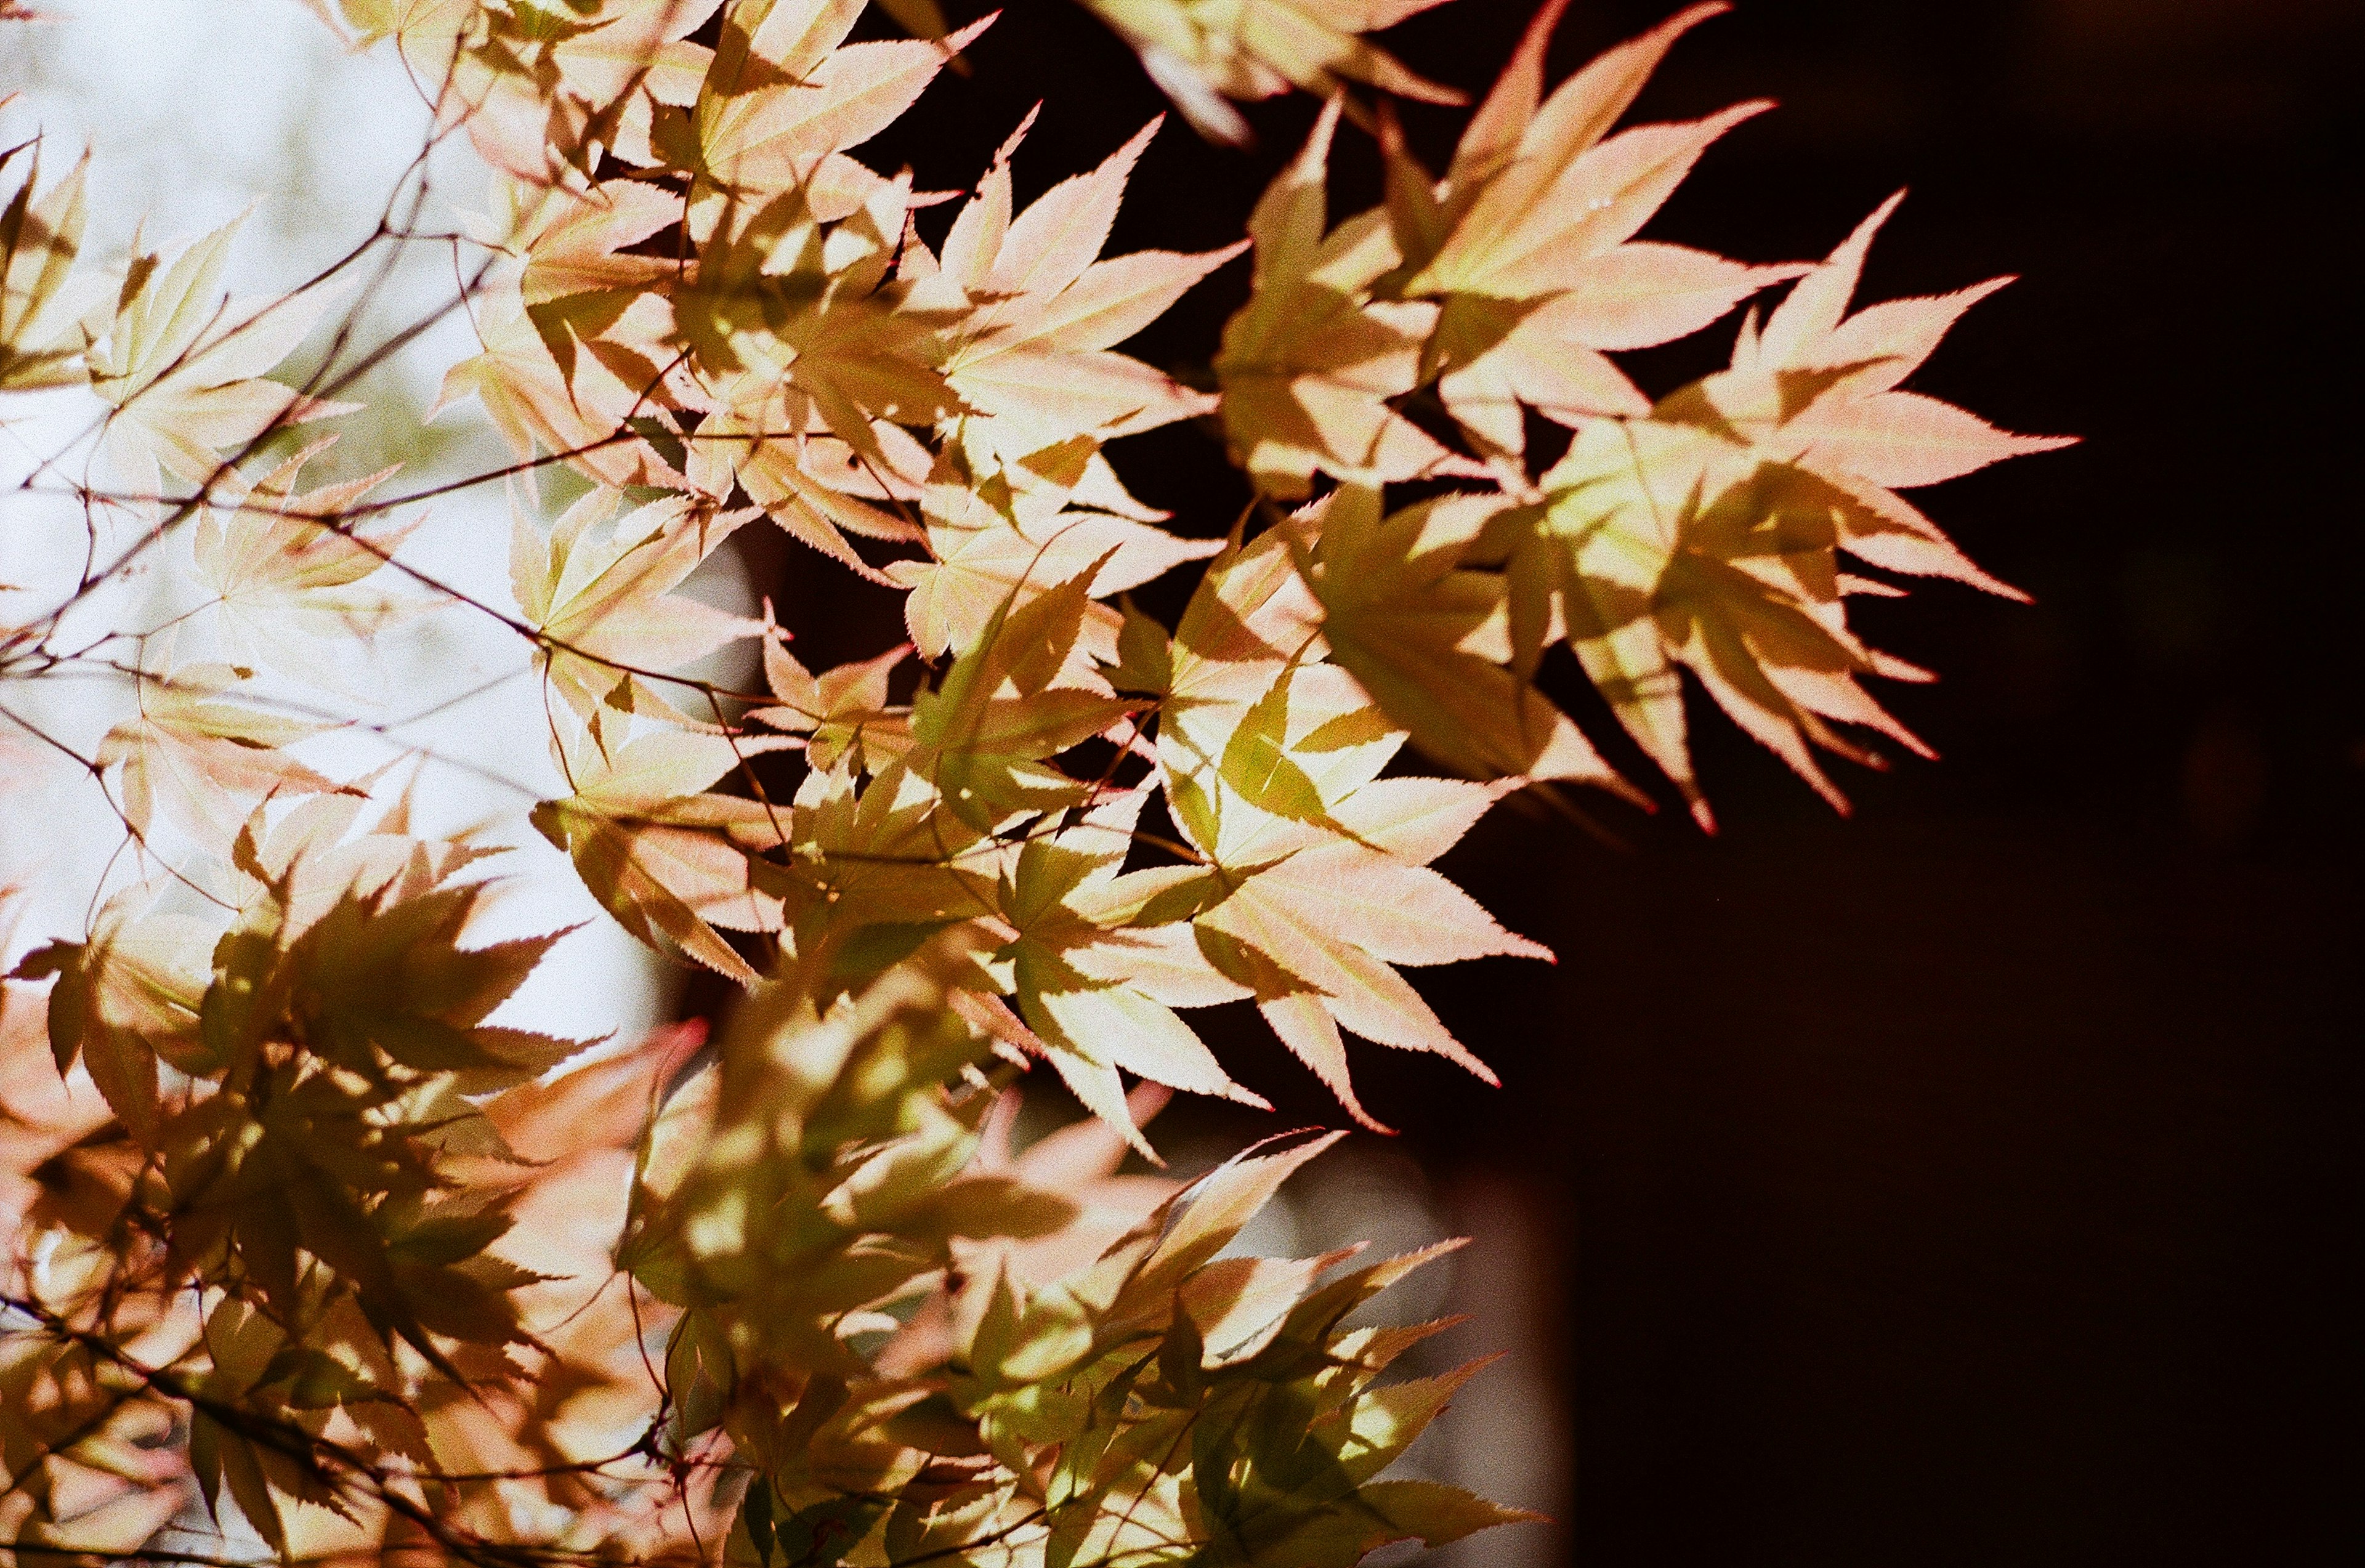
(40,241)
(667,859)
(1201,52)
(596,591)
(183,367)
(1309,365)
(1031,358)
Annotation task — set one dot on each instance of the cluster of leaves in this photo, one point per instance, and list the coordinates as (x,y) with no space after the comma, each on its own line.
(1698,531)
(292,1221)
(933,1351)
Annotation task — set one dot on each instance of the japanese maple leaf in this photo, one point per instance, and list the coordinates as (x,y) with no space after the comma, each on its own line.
(1081,1160)
(783,99)
(1019,696)
(203,754)
(581,1129)
(1201,52)
(884,853)
(581,280)
(799,335)
(182,367)
(1676,549)
(43,1112)
(1098,990)
(840,710)
(1429,639)
(1270,764)
(1528,245)
(1309,363)
(595,589)
(1819,391)
(40,303)
(766,436)
(667,859)
(316,852)
(127,997)
(537,87)
(285,572)
(995,544)
(1031,358)
(384,971)
(1704,536)
(579,411)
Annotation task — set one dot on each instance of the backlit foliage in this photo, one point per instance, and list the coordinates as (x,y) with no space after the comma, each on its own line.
(300,1240)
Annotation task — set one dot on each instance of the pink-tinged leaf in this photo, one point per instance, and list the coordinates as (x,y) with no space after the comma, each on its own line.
(1886,530)
(1492,137)
(1397,913)
(1525,236)
(1114,299)
(1416,819)
(1303,1024)
(1642,294)
(1894,338)
(1048,246)
(1545,141)
(770,138)
(1810,313)
(1904,439)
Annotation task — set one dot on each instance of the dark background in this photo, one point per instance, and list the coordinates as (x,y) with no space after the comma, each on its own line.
(1969,1181)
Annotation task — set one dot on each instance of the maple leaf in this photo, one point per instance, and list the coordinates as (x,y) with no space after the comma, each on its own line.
(43,1112)
(799,335)
(579,1130)
(1202,51)
(1528,245)
(1429,639)
(1098,990)
(1082,1161)
(595,589)
(766,436)
(668,861)
(1818,390)
(312,855)
(1015,697)
(1671,564)
(997,543)
(125,997)
(1704,536)
(884,857)
(784,98)
(538,89)
(541,408)
(1309,363)
(39,304)
(840,710)
(1031,358)
(204,756)
(382,972)
(283,572)
(1271,763)
(183,369)
(372,21)
(1244,1360)
(585,289)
